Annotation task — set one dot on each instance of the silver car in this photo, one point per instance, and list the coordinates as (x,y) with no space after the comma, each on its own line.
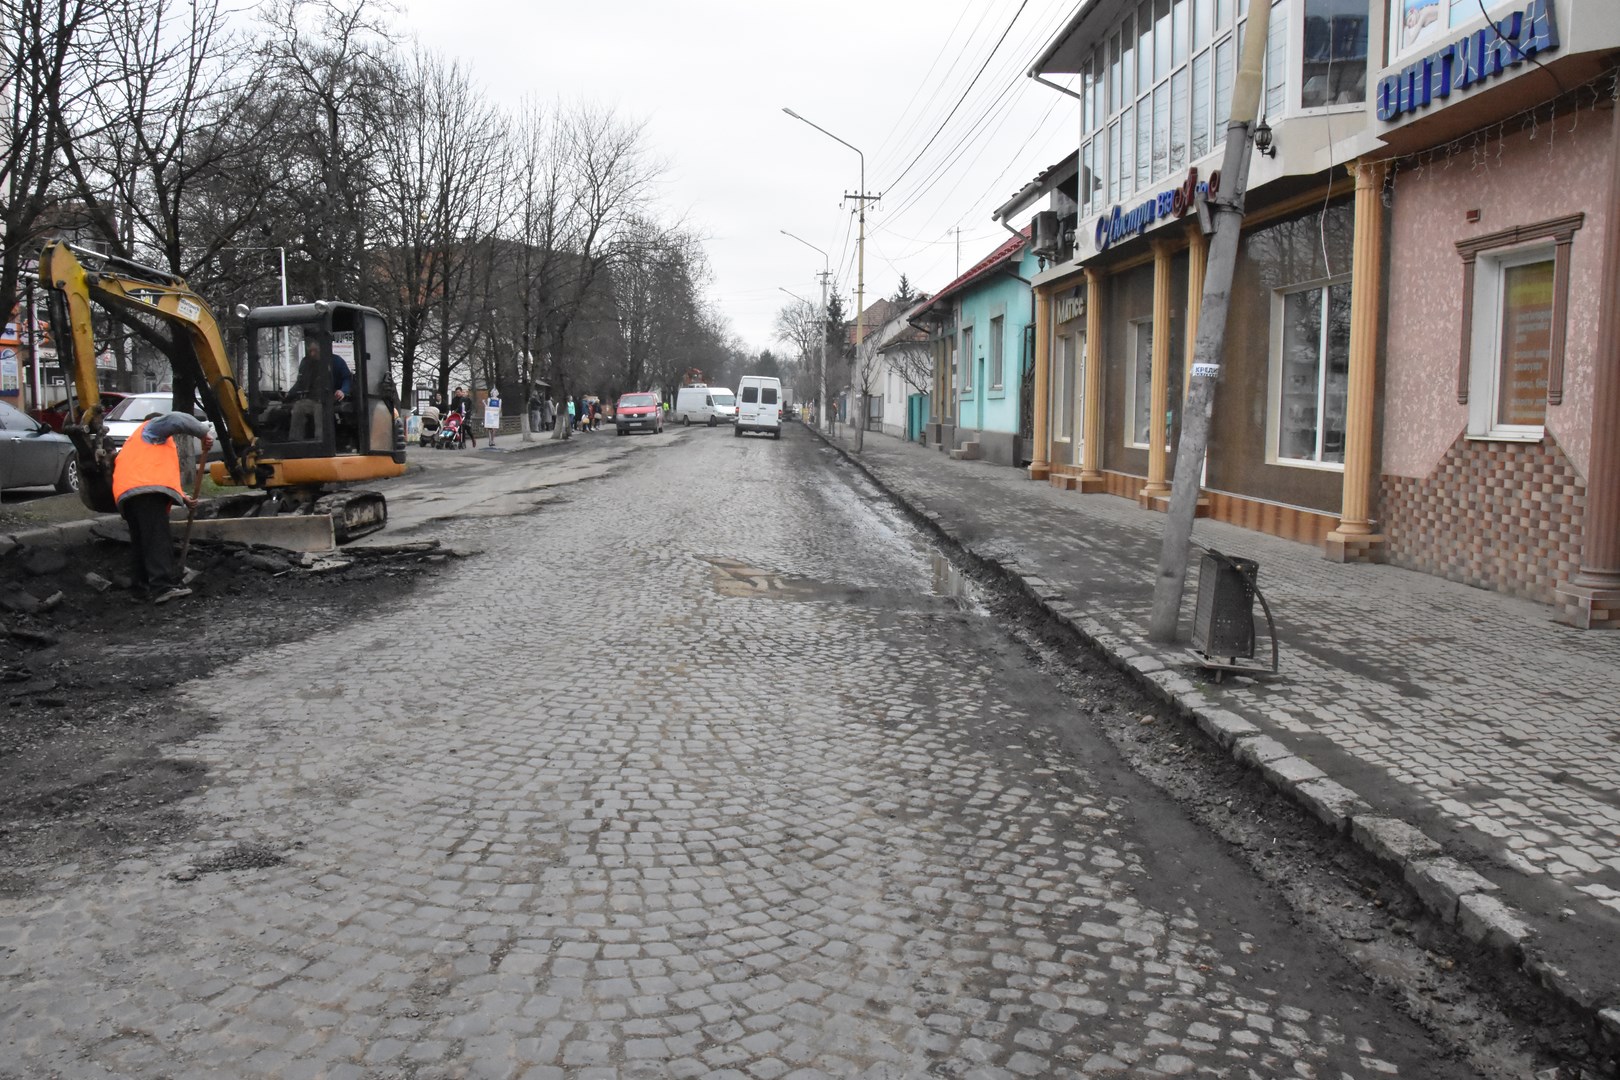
(32,455)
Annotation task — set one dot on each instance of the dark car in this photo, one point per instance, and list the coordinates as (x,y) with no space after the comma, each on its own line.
(638,412)
(57,413)
(32,455)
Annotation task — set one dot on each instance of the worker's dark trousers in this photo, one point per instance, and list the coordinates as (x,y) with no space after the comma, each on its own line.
(150,548)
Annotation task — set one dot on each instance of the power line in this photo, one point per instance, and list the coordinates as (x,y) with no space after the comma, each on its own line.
(940,55)
(958,105)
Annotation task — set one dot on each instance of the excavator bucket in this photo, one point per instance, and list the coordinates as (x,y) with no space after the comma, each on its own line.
(95,476)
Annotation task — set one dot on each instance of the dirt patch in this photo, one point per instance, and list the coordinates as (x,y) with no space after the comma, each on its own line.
(84,767)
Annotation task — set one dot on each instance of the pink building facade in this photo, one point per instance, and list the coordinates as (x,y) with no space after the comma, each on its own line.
(1501,196)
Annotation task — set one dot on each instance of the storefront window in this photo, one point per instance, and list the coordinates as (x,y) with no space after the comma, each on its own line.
(1334,53)
(1514,311)
(1526,344)
(1141,381)
(1062,399)
(1311,373)
(1414,24)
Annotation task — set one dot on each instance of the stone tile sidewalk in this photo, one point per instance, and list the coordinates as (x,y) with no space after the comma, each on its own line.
(1404,700)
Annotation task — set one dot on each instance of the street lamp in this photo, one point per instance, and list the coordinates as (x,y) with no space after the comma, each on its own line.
(861,199)
(826,272)
(283,360)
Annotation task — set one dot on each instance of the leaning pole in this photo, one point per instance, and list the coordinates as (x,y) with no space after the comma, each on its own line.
(1227,208)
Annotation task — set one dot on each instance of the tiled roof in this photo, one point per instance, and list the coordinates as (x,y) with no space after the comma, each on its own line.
(994,261)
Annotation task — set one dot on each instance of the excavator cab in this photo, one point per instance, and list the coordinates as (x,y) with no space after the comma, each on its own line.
(318,382)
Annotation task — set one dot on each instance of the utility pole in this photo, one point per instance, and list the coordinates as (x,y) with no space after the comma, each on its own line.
(826,417)
(857,388)
(1206,369)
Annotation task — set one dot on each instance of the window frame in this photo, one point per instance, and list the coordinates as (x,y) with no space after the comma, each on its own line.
(1296,68)
(1060,385)
(964,352)
(1518,245)
(1132,379)
(996,376)
(1274,387)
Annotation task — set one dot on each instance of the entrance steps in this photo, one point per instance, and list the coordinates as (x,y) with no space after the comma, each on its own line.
(968,451)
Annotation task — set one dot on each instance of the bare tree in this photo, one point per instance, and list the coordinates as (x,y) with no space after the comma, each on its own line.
(330,61)
(44,78)
(437,195)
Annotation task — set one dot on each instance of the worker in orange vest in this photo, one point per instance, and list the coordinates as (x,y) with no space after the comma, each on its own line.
(146,486)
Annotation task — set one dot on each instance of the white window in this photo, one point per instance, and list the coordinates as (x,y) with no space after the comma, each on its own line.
(966,384)
(1139,383)
(997,374)
(1511,343)
(1310,375)
(1333,54)
(1062,410)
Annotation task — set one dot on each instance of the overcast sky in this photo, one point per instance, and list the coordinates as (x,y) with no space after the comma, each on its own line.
(710,78)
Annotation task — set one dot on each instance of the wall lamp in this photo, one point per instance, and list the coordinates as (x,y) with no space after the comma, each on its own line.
(1262,139)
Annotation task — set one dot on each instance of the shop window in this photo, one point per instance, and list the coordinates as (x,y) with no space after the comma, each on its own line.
(1139,382)
(1310,375)
(1333,53)
(1515,309)
(1062,399)
(1414,24)
(997,372)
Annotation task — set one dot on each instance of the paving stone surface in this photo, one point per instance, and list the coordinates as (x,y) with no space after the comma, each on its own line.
(1468,713)
(694,773)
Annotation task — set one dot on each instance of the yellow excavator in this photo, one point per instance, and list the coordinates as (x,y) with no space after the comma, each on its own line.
(282,430)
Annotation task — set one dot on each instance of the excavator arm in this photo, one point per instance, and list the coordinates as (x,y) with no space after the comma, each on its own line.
(77,277)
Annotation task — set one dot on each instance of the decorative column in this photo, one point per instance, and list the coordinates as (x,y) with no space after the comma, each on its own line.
(1197,264)
(1091,403)
(1157,486)
(1591,599)
(1040,467)
(1354,540)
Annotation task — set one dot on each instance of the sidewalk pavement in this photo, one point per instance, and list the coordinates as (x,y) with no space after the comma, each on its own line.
(1457,733)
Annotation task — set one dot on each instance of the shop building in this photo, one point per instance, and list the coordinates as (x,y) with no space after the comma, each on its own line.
(1398,231)
(981,330)
(1497,463)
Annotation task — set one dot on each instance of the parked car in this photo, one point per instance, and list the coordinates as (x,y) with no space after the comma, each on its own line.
(638,412)
(56,414)
(32,455)
(709,405)
(130,413)
(759,406)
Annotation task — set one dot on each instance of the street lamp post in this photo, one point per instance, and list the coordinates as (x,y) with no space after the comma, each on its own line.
(826,272)
(861,199)
(281,345)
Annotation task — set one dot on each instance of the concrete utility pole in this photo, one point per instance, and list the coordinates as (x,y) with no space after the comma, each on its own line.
(861,199)
(857,385)
(821,322)
(1206,369)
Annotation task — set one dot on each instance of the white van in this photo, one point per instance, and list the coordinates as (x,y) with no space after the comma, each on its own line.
(704,405)
(759,406)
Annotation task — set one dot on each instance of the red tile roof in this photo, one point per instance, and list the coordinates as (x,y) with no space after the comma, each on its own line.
(993,261)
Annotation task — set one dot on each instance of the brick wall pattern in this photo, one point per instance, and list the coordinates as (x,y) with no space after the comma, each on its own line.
(1495,515)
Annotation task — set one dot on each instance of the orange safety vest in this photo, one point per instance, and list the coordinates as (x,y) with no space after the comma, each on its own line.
(142,468)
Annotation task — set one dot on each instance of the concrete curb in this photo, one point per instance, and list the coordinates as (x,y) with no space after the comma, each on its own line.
(1459,897)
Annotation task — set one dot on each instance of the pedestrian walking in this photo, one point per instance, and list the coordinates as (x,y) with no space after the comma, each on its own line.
(461,403)
(146,486)
(571,416)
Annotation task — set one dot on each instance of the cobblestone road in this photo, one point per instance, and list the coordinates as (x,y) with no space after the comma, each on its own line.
(692,773)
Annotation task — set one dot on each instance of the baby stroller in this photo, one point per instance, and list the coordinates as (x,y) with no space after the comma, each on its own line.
(428,425)
(452,433)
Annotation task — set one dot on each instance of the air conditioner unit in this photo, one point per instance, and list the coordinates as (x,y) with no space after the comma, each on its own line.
(1046,233)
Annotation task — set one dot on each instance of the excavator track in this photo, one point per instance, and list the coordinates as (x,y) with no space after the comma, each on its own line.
(354,513)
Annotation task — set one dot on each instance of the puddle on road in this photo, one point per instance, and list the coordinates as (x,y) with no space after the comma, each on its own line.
(734,577)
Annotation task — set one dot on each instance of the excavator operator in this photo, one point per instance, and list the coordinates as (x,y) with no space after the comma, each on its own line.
(306,410)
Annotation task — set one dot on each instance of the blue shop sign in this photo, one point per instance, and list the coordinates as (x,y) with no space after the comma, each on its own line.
(1119,224)
(1473,59)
